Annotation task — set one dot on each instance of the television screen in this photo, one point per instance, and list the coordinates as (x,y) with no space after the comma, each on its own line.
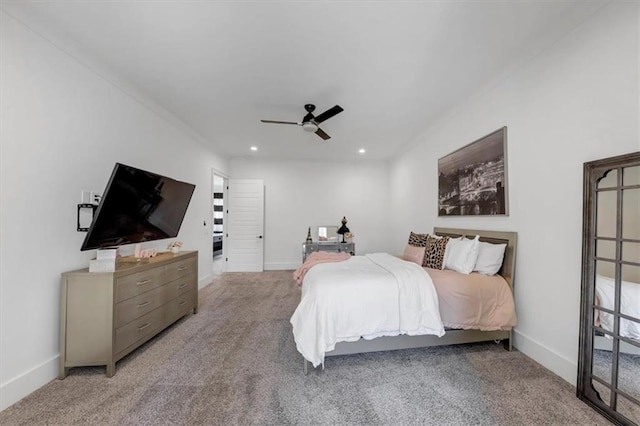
(138,206)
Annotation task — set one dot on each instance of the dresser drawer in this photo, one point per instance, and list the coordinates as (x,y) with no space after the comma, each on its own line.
(134,284)
(134,307)
(181,268)
(180,306)
(139,329)
(179,286)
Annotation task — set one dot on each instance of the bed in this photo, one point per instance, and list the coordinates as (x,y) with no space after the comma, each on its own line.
(604,319)
(417,329)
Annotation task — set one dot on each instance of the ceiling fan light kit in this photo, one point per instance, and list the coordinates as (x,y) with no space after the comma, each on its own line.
(309,122)
(310,127)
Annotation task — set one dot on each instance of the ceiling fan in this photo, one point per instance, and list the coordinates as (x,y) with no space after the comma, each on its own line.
(310,122)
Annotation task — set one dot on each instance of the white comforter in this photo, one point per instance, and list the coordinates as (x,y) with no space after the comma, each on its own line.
(629,305)
(366,296)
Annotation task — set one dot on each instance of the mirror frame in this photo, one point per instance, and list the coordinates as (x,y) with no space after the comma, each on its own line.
(594,171)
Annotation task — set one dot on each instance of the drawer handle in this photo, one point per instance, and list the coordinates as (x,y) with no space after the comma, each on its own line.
(182,268)
(142,327)
(142,305)
(143,282)
(183,302)
(183,285)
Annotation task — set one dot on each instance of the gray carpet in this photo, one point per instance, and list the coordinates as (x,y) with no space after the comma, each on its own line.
(628,380)
(235,362)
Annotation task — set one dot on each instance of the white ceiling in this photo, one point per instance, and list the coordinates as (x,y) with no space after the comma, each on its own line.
(220,67)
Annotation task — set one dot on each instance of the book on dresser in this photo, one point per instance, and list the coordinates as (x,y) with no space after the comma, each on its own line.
(105,316)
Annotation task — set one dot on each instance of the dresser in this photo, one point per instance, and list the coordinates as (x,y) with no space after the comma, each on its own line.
(106,315)
(334,247)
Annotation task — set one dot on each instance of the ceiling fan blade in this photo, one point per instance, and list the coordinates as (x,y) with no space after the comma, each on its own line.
(322,134)
(281,122)
(328,114)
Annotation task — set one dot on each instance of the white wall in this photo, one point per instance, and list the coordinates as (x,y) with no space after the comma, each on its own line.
(304,194)
(575,102)
(63,129)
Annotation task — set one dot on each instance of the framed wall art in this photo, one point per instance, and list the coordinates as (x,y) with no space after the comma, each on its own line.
(473,179)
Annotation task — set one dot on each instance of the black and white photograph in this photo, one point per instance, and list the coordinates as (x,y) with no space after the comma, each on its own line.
(473,179)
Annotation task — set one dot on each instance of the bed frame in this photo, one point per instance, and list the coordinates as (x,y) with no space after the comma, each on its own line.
(452,336)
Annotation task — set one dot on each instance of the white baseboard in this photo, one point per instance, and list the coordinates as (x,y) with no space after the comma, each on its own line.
(17,388)
(281,266)
(203,282)
(560,365)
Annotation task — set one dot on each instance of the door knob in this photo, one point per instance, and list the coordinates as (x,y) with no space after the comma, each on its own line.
(259,236)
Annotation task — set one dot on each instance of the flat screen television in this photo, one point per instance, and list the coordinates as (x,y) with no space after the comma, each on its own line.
(138,206)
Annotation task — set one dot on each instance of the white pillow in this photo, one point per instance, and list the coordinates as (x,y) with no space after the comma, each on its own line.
(463,255)
(490,258)
(448,249)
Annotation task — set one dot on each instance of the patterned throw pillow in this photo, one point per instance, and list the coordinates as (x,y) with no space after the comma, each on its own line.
(418,240)
(434,253)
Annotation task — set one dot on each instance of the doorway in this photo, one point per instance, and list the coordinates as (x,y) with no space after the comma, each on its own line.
(218,197)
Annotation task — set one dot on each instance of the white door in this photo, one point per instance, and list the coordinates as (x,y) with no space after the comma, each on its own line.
(245,229)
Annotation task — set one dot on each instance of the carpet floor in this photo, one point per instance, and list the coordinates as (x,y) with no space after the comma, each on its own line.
(235,363)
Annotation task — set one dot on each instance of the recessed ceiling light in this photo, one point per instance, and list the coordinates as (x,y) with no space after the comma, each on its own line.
(362,151)
(254,148)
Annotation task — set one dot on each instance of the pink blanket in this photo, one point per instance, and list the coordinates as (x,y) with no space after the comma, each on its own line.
(315,258)
(474,301)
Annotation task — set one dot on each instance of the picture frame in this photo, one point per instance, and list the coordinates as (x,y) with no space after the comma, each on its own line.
(472,181)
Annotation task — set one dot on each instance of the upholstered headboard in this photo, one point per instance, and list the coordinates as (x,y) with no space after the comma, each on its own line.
(508,268)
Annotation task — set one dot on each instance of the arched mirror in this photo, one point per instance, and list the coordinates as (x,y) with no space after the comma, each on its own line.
(609,357)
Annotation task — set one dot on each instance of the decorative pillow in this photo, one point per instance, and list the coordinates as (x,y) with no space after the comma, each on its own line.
(434,252)
(413,254)
(418,240)
(489,258)
(463,255)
